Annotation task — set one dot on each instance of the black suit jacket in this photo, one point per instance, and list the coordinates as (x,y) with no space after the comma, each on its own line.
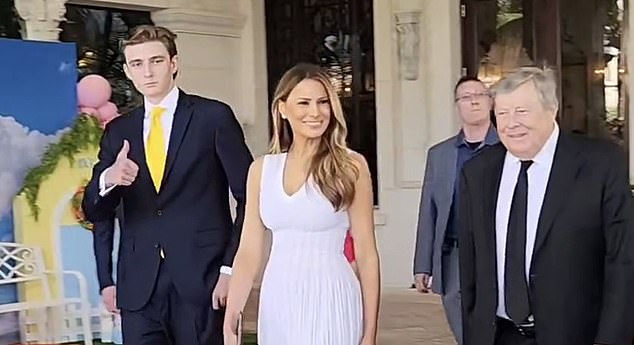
(189,217)
(103,237)
(582,273)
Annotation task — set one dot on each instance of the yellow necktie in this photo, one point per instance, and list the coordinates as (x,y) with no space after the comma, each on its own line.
(155,154)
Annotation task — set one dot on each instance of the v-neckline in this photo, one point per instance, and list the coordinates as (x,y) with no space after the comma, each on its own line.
(282,178)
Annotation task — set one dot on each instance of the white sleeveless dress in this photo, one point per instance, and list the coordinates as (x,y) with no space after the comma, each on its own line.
(309,293)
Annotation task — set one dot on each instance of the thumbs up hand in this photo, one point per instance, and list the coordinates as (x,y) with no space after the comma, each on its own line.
(124,171)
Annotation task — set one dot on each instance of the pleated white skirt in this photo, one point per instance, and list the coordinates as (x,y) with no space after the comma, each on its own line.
(309,294)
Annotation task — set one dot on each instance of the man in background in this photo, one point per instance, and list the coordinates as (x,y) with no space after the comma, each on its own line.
(437,244)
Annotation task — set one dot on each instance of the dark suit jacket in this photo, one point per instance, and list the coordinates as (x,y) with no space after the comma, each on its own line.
(435,206)
(582,273)
(189,217)
(103,237)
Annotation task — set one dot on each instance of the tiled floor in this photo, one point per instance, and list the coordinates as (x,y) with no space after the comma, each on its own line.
(406,317)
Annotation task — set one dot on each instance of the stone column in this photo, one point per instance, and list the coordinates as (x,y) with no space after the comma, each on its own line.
(209,52)
(42,18)
(417,62)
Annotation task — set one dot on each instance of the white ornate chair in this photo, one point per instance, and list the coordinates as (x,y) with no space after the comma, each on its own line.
(48,319)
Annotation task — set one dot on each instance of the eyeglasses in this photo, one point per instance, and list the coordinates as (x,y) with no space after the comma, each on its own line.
(472,96)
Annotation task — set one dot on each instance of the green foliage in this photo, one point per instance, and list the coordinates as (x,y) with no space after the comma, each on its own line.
(85,133)
(250,339)
(612,28)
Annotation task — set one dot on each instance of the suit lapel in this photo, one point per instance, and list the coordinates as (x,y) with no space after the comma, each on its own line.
(491,188)
(445,186)
(449,160)
(562,177)
(182,116)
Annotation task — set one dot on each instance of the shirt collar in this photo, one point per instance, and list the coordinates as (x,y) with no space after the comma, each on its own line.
(169,102)
(547,152)
(491,138)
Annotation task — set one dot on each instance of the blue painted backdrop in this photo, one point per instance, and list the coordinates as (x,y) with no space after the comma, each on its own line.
(37,102)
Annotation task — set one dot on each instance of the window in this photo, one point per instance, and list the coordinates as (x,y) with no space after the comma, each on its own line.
(98,33)
(10,21)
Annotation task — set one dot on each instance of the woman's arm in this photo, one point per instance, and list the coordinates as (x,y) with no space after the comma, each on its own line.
(361,213)
(248,259)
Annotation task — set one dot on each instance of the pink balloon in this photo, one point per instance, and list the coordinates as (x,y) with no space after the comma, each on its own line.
(106,113)
(93,91)
(89,110)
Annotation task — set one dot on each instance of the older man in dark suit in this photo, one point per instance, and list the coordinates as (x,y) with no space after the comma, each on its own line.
(547,229)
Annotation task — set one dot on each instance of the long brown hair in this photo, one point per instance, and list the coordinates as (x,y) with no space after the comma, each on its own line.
(332,168)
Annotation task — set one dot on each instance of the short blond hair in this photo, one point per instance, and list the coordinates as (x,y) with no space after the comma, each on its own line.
(543,79)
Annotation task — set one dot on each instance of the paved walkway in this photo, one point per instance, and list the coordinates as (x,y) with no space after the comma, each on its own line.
(406,317)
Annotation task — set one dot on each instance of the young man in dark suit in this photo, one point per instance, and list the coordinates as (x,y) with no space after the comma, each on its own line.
(170,164)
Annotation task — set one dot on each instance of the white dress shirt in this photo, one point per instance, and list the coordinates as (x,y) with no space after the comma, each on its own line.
(538,175)
(167,119)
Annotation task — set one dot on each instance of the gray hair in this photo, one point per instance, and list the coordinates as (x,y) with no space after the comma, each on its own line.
(544,81)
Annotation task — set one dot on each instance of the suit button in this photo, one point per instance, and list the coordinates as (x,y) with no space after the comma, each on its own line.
(159,213)
(156,246)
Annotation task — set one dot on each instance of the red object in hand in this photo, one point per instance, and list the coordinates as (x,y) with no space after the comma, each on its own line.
(348,247)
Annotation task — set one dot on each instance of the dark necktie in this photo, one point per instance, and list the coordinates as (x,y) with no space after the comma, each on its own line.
(515,285)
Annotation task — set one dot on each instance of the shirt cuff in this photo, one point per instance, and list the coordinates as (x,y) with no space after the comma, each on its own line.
(103,191)
(225,270)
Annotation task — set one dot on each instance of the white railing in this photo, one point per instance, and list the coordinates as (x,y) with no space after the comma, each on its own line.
(47,319)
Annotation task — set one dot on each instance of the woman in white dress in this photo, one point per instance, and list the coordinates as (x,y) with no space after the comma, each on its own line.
(308,192)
